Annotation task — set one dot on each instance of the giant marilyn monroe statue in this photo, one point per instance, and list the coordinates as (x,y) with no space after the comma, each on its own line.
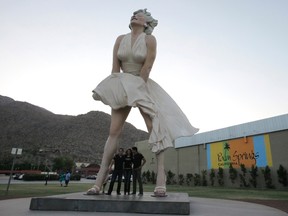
(129,86)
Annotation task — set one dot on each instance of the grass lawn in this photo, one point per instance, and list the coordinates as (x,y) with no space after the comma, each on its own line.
(38,190)
(232,193)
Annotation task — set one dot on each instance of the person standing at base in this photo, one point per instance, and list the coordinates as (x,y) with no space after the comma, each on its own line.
(127,170)
(138,163)
(118,162)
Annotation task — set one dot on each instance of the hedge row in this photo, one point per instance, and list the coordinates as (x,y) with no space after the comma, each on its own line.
(52,177)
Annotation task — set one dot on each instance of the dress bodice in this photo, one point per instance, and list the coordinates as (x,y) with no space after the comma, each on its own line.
(120,90)
(132,57)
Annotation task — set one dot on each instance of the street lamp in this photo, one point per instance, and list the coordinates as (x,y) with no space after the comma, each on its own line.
(14,152)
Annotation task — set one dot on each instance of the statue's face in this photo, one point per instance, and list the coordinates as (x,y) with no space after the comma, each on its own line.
(138,18)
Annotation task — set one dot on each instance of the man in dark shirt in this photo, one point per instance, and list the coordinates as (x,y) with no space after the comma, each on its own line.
(118,162)
(138,162)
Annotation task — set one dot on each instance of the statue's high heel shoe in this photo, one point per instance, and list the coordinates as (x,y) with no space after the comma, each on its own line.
(95,190)
(160,191)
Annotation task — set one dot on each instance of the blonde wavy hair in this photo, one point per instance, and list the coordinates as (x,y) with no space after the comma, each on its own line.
(151,22)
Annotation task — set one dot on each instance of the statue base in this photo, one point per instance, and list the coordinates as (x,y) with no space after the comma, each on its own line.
(173,203)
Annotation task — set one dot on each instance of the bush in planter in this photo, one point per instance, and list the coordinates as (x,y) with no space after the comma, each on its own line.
(153,177)
(220,176)
(204,179)
(148,176)
(170,178)
(232,174)
(282,176)
(242,176)
(212,176)
(181,179)
(253,173)
(267,177)
(197,179)
(189,178)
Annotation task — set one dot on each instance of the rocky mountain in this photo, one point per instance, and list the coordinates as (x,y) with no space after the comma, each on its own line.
(41,133)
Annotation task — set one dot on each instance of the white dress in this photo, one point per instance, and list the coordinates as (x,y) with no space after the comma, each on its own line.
(129,89)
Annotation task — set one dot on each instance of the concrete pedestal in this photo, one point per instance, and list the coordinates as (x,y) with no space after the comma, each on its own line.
(174,203)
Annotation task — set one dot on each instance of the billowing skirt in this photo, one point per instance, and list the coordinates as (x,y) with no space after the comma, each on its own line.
(168,121)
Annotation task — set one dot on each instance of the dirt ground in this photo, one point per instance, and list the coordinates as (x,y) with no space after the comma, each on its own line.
(278,204)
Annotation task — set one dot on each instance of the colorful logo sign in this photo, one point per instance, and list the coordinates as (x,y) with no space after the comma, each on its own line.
(248,151)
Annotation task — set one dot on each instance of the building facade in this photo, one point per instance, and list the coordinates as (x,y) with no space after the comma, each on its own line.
(259,143)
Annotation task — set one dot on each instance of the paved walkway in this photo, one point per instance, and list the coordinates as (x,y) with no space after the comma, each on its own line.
(198,207)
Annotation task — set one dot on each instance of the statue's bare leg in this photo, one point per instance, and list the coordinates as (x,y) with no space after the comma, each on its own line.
(118,118)
(160,189)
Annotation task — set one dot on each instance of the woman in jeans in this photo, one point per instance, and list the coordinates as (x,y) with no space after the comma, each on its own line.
(127,171)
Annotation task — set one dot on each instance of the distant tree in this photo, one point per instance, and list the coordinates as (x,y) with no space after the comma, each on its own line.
(63,163)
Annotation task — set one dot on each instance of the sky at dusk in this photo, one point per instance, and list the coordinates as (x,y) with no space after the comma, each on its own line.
(225,62)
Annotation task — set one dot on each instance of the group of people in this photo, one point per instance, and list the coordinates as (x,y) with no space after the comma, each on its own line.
(126,164)
(65,177)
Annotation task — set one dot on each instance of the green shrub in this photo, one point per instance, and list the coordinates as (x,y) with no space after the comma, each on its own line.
(232,174)
(268,178)
(189,178)
(212,177)
(204,179)
(170,177)
(282,176)
(197,179)
(253,176)
(153,177)
(181,179)
(52,177)
(39,177)
(220,176)
(242,176)
(148,176)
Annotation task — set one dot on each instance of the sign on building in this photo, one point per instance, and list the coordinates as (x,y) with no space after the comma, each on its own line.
(249,151)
